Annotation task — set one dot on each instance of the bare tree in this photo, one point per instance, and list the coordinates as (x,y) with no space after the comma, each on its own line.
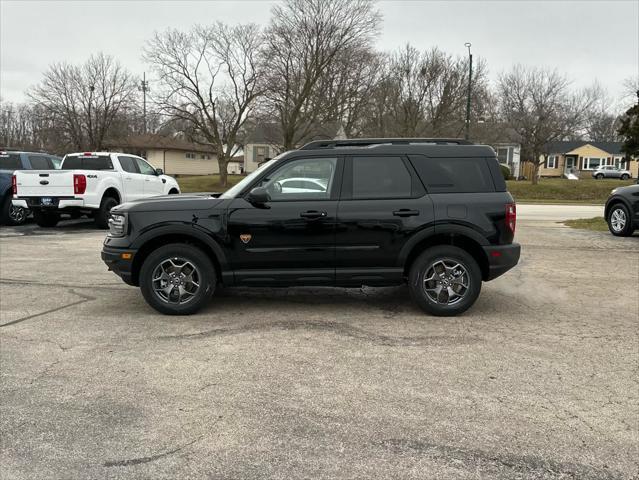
(424,94)
(210,80)
(307,39)
(537,104)
(84,100)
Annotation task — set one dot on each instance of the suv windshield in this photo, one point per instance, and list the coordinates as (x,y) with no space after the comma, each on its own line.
(10,161)
(233,191)
(93,162)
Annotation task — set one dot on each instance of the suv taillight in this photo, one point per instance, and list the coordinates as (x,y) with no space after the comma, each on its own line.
(79,183)
(14,185)
(511,216)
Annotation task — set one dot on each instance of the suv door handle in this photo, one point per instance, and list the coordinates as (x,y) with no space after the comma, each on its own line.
(312,214)
(405,212)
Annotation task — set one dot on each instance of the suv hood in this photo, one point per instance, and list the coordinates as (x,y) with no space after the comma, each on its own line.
(192,201)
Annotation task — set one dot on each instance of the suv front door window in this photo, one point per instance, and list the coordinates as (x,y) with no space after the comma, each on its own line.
(294,232)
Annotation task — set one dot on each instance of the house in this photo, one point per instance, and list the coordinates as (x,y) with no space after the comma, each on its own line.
(264,141)
(174,155)
(509,154)
(581,157)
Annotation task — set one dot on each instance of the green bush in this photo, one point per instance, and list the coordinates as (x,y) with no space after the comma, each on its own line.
(505,171)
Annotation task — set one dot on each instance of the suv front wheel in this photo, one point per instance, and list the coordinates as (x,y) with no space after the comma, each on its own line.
(177,279)
(445,280)
(619,221)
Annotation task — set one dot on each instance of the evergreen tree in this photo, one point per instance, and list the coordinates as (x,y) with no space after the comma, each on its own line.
(629,130)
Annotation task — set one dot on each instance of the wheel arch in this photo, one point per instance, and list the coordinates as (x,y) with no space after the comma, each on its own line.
(111,192)
(150,241)
(615,201)
(458,238)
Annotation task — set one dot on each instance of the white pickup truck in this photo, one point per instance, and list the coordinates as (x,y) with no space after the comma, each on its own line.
(89,183)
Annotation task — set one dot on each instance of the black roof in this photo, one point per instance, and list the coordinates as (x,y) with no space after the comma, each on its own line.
(613,148)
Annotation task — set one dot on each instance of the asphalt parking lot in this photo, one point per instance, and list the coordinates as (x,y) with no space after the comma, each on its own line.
(540,379)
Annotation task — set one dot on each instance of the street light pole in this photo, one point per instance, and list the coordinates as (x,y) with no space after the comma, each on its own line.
(470,78)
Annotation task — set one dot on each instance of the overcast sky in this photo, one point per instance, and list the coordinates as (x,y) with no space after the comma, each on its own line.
(587,40)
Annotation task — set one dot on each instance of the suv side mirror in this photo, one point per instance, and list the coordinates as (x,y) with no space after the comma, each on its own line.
(159,171)
(258,196)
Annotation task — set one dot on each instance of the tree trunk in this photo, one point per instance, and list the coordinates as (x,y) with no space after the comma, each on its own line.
(536,165)
(223,162)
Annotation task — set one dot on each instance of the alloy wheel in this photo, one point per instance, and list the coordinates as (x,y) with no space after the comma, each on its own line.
(176,280)
(446,282)
(17,214)
(618,220)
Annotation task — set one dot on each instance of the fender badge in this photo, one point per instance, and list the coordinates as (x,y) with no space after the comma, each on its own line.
(245,237)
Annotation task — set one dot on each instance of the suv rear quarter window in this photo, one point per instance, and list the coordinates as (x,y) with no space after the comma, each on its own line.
(454,175)
(10,161)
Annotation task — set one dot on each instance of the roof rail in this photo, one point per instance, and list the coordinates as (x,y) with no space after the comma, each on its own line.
(365,142)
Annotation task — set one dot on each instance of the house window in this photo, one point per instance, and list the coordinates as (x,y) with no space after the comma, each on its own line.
(502,155)
(551,162)
(593,163)
(190,155)
(620,162)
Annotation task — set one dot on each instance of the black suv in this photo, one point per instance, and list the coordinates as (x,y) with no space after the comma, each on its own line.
(433,213)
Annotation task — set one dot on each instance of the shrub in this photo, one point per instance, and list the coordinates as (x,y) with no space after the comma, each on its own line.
(505,171)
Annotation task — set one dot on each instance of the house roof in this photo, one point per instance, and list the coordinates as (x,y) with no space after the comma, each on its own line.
(613,148)
(151,141)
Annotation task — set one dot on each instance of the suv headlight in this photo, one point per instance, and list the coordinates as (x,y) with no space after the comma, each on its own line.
(118,224)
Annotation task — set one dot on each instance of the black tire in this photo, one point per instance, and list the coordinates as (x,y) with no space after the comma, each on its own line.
(46,219)
(617,212)
(10,215)
(599,176)
(451,256)
(102,216)
(625,176)
(178,252)
(174,192)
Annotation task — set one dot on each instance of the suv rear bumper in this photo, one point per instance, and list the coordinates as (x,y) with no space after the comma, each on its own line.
(501,259)
(112,257)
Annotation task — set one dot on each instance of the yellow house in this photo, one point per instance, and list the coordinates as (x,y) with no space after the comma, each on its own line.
(583,157)
(175,156)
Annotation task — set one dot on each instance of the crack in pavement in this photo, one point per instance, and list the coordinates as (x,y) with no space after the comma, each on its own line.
(152,458)
(85,298)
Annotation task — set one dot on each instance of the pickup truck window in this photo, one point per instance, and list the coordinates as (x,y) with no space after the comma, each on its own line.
(10,161)
(128,164)
(145,168)
(40,162)
(98,162)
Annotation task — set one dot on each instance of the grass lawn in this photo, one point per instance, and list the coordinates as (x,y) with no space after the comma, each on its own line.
(597,224)
(560,190)
(206,183)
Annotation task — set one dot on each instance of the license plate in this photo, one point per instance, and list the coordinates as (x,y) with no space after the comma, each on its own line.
(46,201)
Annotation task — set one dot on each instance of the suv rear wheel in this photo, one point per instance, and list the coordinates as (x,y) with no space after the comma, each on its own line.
(619,221)
(445,280)
(177,279)
(599,176)
(625,176)
(11,215)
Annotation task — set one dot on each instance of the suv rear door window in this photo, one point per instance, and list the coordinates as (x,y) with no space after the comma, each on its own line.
(10,161)
(380,177)
(454,175)
(97,162)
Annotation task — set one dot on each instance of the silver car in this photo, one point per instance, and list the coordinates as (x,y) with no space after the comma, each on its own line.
(610,171)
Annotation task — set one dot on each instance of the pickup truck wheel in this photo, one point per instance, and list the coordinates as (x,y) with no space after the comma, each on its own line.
(619,221)
(177,279)
(445,280)
(11,215)
(102,217)
(46,219)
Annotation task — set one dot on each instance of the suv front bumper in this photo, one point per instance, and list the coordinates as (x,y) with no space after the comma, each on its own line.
(501,259)
(115,262)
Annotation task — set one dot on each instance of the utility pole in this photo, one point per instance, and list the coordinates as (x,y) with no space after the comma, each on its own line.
(470,77)
(144,86)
